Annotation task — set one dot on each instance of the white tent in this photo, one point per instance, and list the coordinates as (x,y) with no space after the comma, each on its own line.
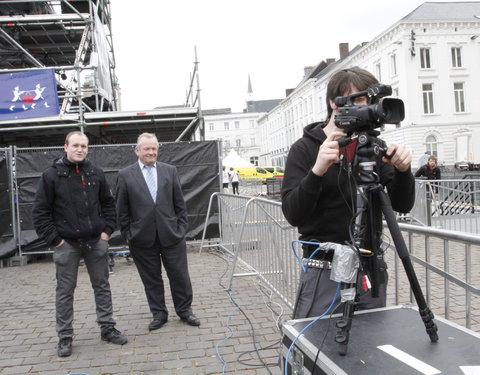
(234,160)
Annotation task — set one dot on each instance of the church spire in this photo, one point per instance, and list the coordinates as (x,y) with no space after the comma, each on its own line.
(249,89)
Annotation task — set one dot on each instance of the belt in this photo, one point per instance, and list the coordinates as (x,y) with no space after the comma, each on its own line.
(316,263)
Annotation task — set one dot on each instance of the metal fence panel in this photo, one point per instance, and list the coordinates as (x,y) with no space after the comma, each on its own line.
(8,233)
(448,204)
(256,233)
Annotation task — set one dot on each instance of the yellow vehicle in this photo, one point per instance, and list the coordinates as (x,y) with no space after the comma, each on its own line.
(275,171)
(258,172)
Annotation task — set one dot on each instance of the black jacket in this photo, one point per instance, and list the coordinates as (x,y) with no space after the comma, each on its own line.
(73,202)
(322,207)
(430,174)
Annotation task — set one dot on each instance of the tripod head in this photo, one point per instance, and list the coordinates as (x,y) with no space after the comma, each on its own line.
(368,149)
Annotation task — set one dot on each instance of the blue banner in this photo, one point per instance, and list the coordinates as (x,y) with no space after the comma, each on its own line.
(28,94)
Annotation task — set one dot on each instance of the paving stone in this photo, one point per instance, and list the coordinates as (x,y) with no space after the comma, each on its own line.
(27,322)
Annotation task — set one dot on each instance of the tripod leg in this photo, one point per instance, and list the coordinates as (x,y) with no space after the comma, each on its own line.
(345,322)
(425,313)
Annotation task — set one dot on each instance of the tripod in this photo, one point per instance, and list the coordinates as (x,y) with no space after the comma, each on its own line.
(370,194)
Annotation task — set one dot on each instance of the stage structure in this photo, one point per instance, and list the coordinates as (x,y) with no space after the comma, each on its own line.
(74,39)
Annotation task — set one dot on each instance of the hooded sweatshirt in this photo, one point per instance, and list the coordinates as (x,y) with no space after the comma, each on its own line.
(322,207)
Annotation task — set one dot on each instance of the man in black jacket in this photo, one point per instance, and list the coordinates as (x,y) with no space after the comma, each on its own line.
(430,170)
(318,191)
(74,211)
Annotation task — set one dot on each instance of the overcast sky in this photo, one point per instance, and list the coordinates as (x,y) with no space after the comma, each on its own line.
(272,40)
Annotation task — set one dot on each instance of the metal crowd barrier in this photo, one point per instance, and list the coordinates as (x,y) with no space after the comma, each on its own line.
(252,186)
(255,233)
(445,263)
(448,204)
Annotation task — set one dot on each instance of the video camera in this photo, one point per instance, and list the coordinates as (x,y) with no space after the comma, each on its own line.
(379,111)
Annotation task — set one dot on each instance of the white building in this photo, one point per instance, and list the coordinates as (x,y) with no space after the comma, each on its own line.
(431,58)
(238,130)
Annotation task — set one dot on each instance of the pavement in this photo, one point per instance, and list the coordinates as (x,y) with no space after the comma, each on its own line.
(232,327)
(239,332)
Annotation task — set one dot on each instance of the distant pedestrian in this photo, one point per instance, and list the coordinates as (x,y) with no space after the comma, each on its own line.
(74,211)
(225,180)
(233,177)
(430,170)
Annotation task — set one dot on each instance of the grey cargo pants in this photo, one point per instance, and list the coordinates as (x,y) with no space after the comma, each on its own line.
(67,258)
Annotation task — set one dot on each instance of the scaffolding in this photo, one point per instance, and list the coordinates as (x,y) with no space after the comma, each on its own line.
(75,39)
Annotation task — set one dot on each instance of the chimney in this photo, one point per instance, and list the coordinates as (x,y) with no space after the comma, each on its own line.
(330,60)
(343,47)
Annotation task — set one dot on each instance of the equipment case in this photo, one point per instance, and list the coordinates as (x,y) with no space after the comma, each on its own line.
(389,340)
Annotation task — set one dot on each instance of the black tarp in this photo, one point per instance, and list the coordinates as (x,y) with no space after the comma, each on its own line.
(197,164)
(7,240)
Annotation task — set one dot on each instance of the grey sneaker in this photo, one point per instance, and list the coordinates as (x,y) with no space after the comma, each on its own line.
(114,336)
(64,348)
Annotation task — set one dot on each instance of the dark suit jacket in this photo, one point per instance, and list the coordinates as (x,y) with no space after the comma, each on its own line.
(139,218)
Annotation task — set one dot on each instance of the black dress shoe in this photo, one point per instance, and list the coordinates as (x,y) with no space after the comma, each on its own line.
(156,324)
(191,320)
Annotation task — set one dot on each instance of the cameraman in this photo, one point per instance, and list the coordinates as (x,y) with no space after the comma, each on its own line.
(318,194)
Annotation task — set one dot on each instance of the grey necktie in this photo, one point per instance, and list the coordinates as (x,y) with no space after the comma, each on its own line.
(151,181)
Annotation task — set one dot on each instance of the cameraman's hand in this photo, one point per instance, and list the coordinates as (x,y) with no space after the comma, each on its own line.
(328,153)
(401,159)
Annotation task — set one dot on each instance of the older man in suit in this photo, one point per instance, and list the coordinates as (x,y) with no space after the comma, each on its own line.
(152,217)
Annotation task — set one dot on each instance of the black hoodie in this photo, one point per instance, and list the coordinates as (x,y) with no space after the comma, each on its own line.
(322,207)
(73,202)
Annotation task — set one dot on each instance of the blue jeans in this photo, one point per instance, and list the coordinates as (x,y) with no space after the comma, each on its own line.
(67,258)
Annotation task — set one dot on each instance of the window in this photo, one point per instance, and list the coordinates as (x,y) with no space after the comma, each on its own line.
(237,124)
(431,145)
(252,141)
(459,97)
(393,64)
(254,160)
(378,70)
(226,125)
(252,124)
(227,143)
(425,58)
(427,89)
(211,126)
(238,143)
(456,57)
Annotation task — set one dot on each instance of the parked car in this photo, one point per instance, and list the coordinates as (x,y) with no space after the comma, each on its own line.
(257,172)
(275,171)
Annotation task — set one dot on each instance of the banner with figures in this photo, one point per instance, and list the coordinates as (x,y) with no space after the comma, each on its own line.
(28,94)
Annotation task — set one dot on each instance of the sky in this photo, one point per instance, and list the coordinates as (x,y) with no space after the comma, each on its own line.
(270,40)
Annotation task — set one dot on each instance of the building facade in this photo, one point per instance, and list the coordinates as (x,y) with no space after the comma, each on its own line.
(430,58)
(238,130)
